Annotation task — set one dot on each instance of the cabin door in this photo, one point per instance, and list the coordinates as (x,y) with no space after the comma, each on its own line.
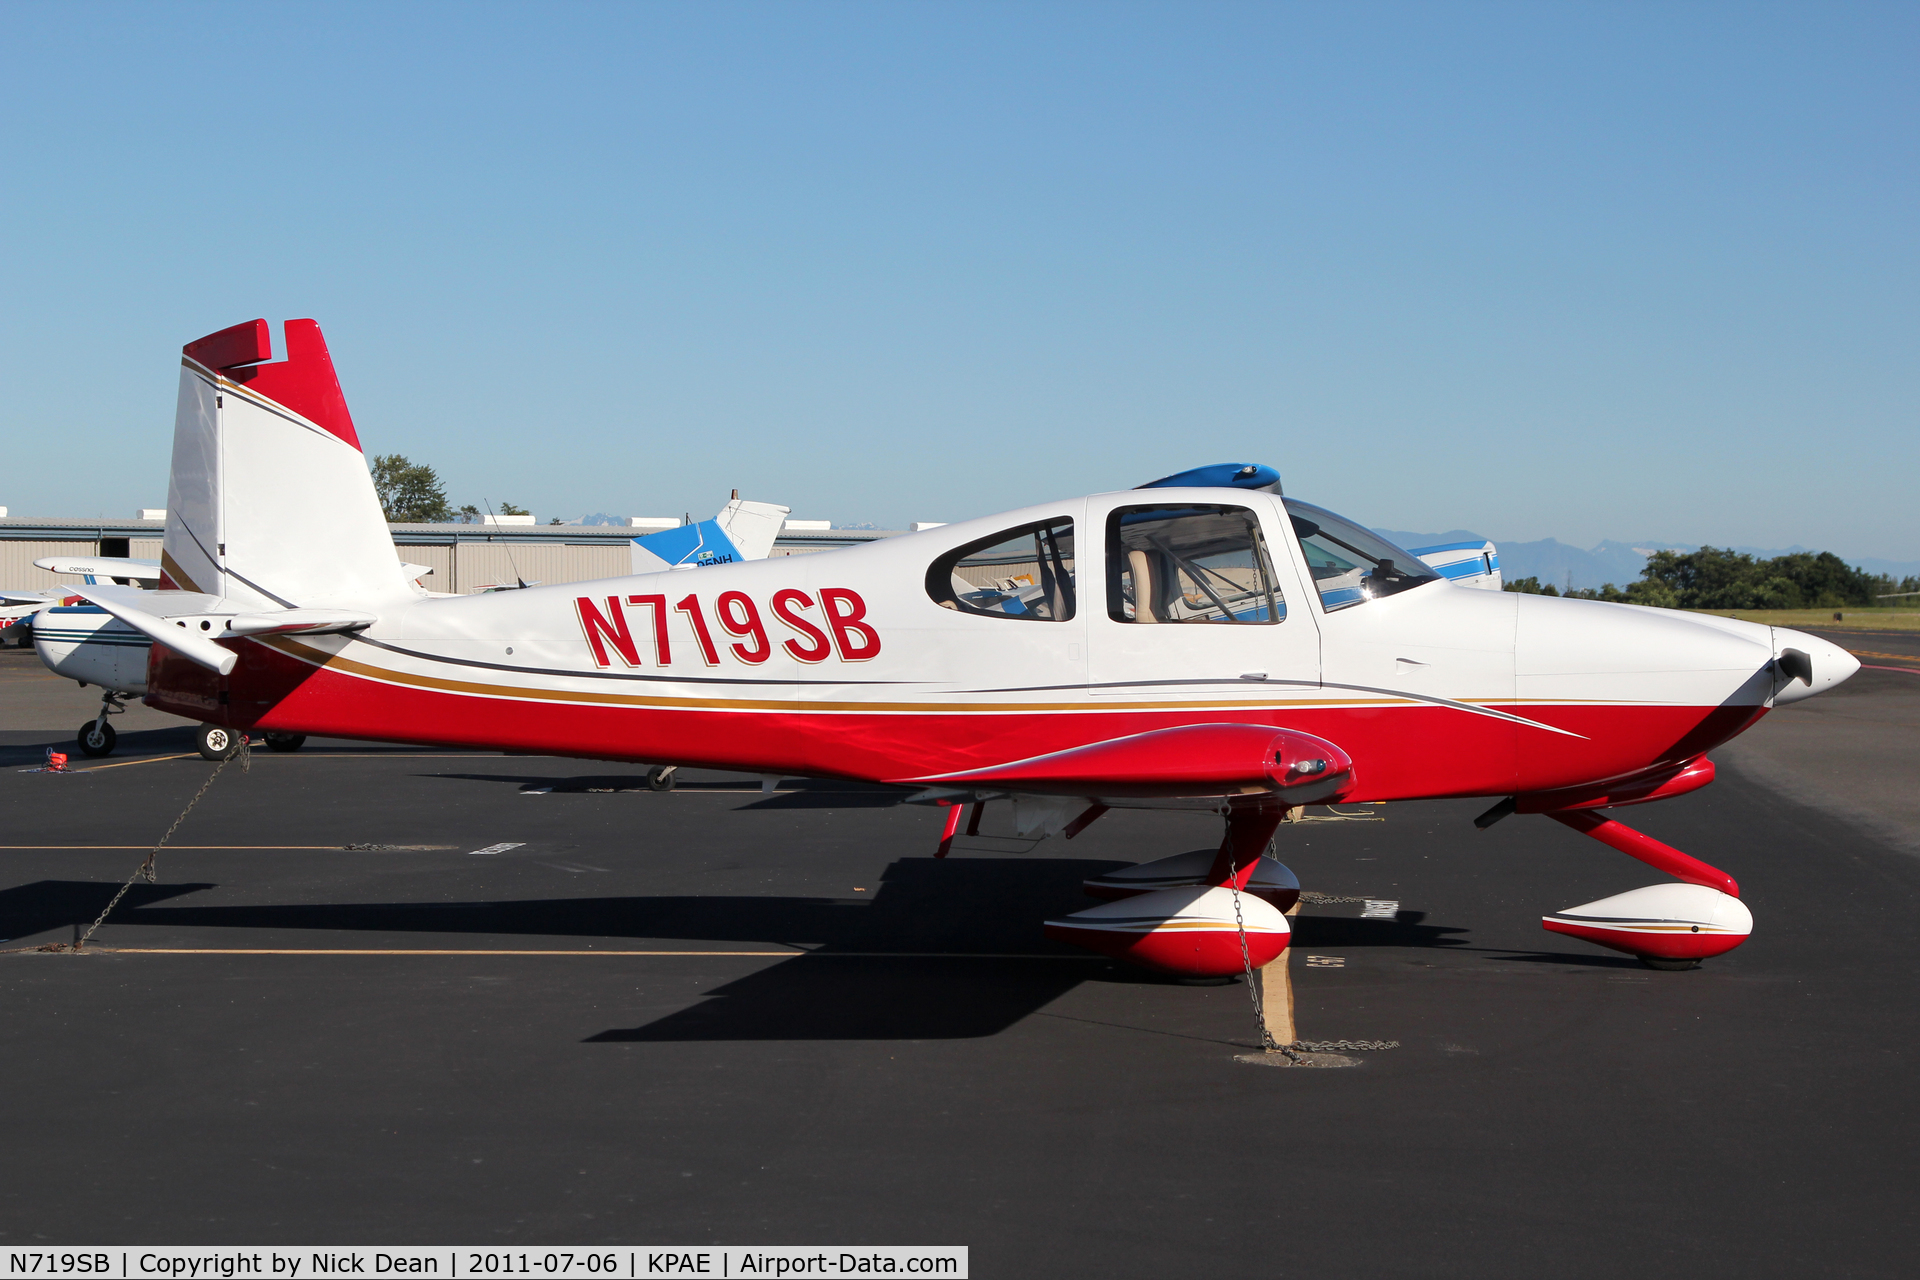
(1200,609)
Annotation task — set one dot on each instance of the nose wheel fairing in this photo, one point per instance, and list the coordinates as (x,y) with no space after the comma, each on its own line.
(1666,925)
(1661,922)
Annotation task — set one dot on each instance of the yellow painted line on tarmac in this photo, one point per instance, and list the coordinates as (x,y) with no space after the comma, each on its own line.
(404,951)
(466,951)
(144,760)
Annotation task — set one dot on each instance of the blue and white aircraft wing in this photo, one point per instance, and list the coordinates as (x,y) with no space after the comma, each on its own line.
(1465,564)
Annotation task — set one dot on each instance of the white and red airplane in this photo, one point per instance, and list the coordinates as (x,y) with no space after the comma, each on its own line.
(1227,649)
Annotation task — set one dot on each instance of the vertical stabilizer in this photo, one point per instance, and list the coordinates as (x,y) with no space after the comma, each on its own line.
(270,504)
(752,526)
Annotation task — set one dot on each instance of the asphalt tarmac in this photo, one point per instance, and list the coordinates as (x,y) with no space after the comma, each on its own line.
(849,1042)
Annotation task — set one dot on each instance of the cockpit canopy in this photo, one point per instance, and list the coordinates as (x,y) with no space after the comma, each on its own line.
(1178,562)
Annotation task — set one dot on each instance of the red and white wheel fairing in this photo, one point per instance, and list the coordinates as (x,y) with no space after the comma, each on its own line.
(1664,921)
(1191,932)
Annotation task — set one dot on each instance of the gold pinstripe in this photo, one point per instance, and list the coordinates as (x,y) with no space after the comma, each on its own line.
(338,662)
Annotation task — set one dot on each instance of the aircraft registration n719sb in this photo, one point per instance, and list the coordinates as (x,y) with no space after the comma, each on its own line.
(1200,642)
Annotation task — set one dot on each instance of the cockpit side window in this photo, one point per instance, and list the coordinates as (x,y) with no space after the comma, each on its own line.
(1025,573)
(1190,564)
(1351,565)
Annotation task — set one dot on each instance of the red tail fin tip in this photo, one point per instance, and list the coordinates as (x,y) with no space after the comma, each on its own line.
(248,343)
(304,382)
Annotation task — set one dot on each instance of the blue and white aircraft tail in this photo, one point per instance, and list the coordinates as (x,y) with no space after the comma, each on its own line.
(742,531)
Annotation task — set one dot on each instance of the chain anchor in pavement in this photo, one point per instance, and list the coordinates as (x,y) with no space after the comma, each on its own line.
(244,755)
(1267,1041)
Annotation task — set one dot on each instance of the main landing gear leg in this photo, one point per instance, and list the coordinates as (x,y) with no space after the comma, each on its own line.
(946,832)
(1668,926)
(1248,831)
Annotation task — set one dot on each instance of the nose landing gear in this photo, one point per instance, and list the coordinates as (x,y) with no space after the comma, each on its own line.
(96,736)
(1668,926)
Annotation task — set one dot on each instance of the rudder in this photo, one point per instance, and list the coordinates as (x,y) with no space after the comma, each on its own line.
(269,503)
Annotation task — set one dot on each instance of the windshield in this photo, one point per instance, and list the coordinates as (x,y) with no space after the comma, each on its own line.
(1350,564)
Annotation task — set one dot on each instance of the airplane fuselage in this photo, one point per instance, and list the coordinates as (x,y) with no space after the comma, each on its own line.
(866,663)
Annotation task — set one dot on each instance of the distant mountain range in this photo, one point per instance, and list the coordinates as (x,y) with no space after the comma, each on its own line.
(1551,560)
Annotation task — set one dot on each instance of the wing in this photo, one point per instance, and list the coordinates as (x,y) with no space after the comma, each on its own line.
(91,567)
(1244,761)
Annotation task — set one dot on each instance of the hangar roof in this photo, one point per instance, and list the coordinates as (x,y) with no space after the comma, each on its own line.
(22,528)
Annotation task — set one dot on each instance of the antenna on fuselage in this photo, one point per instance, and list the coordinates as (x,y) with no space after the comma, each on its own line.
(504,546)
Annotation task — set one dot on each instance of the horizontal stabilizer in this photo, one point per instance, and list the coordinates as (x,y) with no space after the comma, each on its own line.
(101,567)
(188,622)
(687,547)
(136,608)
(309,622)
(32,597)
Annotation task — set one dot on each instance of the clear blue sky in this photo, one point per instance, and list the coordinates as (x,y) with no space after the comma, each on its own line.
(1583,271)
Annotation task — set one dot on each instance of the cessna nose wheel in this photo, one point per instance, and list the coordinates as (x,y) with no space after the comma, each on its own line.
(96,738)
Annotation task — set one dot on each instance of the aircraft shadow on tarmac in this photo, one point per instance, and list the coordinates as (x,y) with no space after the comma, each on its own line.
(944,950)
(30,747)
(54,904)
(793,794)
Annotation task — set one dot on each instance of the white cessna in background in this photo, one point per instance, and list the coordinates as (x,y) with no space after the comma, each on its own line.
(1203,642)
(84,642)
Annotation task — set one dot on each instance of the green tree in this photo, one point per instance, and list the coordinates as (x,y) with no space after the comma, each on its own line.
(1721,578)
(409,492)
(508,509)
